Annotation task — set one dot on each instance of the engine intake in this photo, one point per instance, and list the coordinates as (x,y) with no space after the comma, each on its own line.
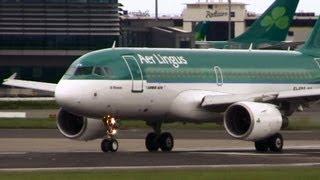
(252,121)
(78,127)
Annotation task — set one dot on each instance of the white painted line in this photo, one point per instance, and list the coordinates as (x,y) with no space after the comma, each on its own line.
(27,99)
(159,167)
(13,153)
(315,147)
(246,154)
(13,114)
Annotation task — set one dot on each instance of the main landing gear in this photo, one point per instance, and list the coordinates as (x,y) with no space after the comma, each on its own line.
(156,139)
(110,143)
(273,143)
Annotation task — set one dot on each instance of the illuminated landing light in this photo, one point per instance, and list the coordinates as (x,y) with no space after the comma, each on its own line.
(111,125)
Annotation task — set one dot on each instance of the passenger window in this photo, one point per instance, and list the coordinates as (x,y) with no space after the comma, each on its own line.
(83,71)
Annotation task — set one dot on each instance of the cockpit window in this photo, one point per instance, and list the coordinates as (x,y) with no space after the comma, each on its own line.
(98,71)
(83,71)
(108,71)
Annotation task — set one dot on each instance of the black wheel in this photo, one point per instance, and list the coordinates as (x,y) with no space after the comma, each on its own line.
(276,143)
(105,145)
(261,146)
(166,142)
(113,145)
(152,143)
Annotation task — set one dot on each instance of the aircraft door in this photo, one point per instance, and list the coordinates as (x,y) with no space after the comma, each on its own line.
(135,72)
(317,61)
(219,75)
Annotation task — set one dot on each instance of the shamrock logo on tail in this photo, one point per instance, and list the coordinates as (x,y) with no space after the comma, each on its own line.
(277,18)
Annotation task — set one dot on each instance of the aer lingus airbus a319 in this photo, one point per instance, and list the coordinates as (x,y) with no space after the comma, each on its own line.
(251,92)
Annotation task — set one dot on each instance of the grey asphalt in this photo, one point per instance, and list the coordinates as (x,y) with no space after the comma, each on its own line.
(141,133)
(136,159)
(47,149)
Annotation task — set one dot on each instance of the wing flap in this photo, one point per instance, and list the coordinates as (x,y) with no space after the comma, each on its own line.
(299,94)
(223,100)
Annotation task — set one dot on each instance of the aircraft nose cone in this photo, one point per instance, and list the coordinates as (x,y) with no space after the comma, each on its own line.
(66,96)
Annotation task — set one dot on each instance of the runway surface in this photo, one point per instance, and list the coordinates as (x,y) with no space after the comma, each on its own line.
(46,149)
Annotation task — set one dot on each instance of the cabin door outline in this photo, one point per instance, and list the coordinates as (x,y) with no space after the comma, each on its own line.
(317,61)
(219,75)
(135,73)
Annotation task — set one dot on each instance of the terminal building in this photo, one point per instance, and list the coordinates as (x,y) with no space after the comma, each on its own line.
(217,15)
(39,39)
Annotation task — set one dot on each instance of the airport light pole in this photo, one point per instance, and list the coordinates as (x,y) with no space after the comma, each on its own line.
(229,20)
(156,9)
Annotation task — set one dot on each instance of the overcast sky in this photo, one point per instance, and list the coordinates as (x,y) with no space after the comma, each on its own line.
(175,7)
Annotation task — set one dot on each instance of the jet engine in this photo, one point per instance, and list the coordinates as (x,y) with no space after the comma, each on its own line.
(252,121)
(78,127)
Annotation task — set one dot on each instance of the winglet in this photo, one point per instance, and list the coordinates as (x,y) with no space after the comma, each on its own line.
(13,76)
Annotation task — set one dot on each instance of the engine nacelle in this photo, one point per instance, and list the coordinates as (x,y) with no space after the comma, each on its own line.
(78,127)
(252,121)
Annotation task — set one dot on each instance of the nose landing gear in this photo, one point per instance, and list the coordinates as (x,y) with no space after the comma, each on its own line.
(110,143)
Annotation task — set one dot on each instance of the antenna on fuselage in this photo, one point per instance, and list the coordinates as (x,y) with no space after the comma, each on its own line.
(114,44)
(250,48)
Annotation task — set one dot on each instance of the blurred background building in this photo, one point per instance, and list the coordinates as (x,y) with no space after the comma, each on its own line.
(39,39)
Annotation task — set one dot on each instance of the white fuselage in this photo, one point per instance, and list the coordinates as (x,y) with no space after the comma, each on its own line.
(98,98)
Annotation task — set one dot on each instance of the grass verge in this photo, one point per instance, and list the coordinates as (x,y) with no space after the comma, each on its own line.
(18,105)
(239,174)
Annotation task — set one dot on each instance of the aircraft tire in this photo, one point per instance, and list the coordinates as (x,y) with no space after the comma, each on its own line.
(151,142)
(105,145)
(113,145)
(276,143)
(166,142)
(109,145)
(261,146)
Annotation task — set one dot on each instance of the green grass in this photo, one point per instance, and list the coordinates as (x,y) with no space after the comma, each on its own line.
(16,123)
(17,105)
(303,123)
(210,174)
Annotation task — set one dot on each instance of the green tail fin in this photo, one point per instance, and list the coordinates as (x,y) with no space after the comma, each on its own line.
(312,45)
(201,31)
(273,24)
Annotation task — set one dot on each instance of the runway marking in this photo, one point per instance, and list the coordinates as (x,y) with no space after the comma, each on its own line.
(13,114)
(246,154)
(315,147)
(159,167)
(13,153)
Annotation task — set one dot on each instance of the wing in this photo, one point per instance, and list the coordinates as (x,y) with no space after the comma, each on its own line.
(283,45)
(11,81)
(224,100)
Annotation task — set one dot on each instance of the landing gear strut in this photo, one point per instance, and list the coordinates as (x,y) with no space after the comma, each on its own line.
(110,143)
(156,139)
(273,143)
